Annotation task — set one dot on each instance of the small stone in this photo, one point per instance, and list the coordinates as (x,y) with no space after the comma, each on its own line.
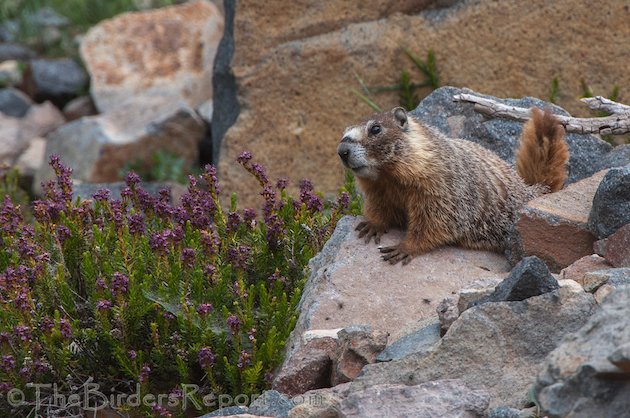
(611,203)
(618,247)
(603,291)
(79,107)
(314,334)
(358,345)
(614,276)
(571,285)
(477,291)
(12,51)
(529,278)
(10,73)
(448,312)
(599,247)
(32,159)
(578,269)
(504,412)
(57,80)
(621,357)
(420,341)
(13,102)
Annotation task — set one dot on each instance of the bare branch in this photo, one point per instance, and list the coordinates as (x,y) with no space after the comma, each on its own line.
(607,105)
(609,125)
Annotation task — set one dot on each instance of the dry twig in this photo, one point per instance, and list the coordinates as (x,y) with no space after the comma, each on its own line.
(616,124)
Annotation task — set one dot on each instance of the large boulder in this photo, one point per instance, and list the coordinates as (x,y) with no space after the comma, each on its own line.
(287,87)
(348,278)
(167,52)
(588,374)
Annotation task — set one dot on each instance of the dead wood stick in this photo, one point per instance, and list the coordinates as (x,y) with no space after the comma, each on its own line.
(616,124)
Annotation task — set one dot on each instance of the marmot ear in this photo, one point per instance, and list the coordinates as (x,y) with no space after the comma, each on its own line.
(400,115)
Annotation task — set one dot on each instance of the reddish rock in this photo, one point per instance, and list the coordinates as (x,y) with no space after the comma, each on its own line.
(358,346)
(554,226)
(618,247)
(308,368)
(577,270)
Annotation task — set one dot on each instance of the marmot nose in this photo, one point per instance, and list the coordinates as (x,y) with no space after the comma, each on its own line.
(344,152)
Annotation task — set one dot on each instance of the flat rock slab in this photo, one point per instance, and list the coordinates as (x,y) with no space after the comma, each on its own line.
(350,284)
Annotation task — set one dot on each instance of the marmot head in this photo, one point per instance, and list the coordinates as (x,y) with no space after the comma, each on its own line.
(369,146)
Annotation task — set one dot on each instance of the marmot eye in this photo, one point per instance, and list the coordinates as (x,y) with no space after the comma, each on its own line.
(375,129)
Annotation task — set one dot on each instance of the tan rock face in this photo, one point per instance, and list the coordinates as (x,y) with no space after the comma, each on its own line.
(163,52)
(349,289)
(294,81)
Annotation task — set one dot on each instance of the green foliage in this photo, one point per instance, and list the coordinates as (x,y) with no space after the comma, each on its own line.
(10,186)
(406,88)
(139,292)
(164,166)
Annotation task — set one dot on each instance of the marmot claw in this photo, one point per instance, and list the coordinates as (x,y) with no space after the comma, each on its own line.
(394,254)
(368,231)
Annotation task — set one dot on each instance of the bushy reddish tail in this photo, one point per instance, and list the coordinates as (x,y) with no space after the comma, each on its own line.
(543,154)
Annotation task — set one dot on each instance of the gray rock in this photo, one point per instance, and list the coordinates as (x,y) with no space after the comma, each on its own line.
(442,398)
(57,80)
(459,120)
(618,157)
(504,412)
(271,404)
(420,341)
(14,103)
(98,147)
(578,379)
(448,312)
(530,277)
(224,84)
(226,412)
(611,204)
(13,51)
(497,347)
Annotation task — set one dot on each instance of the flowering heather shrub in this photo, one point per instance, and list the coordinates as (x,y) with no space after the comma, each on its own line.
(140,292)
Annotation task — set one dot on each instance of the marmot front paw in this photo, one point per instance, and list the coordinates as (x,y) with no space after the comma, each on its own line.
(369,230)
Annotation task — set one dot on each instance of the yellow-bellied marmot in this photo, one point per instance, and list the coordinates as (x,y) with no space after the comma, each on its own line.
(446,191)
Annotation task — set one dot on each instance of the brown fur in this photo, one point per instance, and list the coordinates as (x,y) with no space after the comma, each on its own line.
(446,191)
(543,153)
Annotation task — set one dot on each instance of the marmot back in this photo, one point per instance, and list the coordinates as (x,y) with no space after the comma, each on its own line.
(446,191)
